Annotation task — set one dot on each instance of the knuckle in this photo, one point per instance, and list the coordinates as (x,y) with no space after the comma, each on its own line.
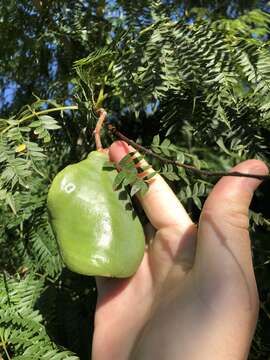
(234,217)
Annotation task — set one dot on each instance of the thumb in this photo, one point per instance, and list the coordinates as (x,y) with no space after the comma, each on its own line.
(223,239)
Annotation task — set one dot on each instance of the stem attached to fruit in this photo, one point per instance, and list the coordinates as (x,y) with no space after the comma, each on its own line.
(185,166)
(102,117)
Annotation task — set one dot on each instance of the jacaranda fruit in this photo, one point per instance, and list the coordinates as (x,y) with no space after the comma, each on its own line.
(95,226)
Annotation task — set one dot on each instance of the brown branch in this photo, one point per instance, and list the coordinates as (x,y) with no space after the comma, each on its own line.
(102,117)
(185,166)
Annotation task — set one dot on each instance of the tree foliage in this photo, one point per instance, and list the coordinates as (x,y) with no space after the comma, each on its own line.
(188,80)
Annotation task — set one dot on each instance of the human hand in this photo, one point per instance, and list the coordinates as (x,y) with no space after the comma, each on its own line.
(194,295)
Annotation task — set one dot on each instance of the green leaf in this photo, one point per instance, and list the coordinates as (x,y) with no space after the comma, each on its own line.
(188,192)
(35,124)
(119,179)
(47,119)
(222,146)
(197,202)
(108,165)
(11,202)
(180,157)
(3,194)
(144,188)
(137,159)
(7,174)
(195,189)
(38,155)
(170,176)
(39,130)
(136,188)
(150,176)
(130,178)
(143,168)
(201,190)
(166,143)
(156,150)
(47,138)
(165,151)
(156,140)
(125,161)
(49,122)
(52,126)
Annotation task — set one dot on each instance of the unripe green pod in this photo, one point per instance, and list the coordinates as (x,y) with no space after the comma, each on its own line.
(96,227)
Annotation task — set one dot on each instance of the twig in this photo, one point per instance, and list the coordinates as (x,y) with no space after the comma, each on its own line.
(185,166)
(102,117)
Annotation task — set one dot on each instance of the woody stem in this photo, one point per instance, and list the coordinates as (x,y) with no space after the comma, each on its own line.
(185,166)
(102,117)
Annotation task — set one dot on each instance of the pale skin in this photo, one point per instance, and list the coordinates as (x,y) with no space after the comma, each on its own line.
(194,296)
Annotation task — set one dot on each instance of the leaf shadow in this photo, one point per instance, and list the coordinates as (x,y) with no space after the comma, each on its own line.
(67,307)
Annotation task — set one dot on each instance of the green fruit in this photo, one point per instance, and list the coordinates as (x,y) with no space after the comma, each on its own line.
(96,227)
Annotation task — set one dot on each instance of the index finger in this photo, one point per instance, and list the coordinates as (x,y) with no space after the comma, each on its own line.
(160,204)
